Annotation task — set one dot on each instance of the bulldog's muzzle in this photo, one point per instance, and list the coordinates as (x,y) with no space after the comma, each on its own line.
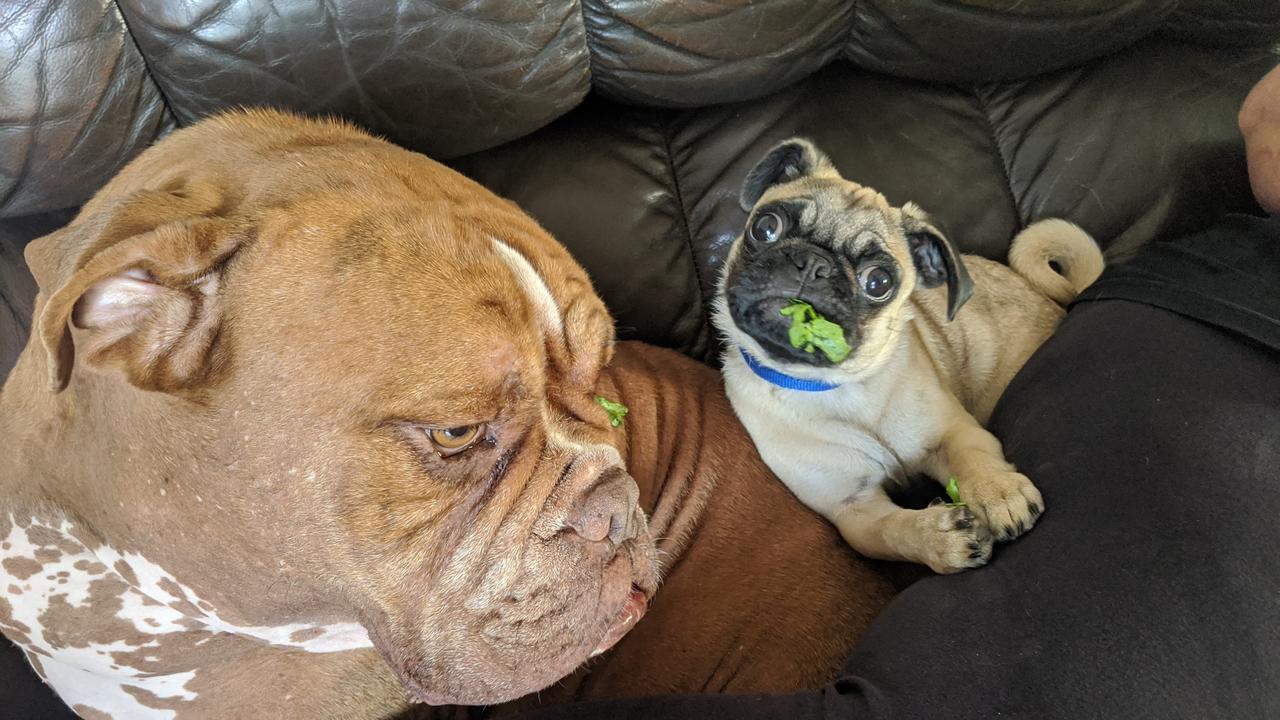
(609,513)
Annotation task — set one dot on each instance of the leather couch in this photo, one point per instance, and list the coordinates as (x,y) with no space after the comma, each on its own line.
(626,127)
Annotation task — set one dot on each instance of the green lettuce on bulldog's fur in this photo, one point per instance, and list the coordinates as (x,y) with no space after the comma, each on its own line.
(615,410)
(810,331)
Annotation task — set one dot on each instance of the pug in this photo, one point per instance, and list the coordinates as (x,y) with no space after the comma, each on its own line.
(931,338)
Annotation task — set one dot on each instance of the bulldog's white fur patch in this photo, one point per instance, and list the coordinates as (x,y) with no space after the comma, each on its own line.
(82,675)
(86,672)
(534,287)
(336,637)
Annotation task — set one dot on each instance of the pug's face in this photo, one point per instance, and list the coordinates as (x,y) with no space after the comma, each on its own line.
(839,246)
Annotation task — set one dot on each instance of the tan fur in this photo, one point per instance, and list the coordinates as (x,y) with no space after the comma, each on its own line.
(914,393)
(1063,244)
(978,353)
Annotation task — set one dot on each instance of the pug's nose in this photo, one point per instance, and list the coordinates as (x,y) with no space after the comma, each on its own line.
(811,264)
(608,510)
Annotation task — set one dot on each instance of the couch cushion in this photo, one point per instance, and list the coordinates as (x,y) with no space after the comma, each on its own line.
(441,79)
(976,40)
(76,103)
(681,54)
(1224,22)
(88,85)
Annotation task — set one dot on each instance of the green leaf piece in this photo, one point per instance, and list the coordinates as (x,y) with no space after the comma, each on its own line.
(798,334)
(953,492)
(829,338)
(811,331)
(616,410)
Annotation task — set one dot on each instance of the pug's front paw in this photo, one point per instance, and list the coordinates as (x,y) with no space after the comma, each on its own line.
(953,539)
(1006,501)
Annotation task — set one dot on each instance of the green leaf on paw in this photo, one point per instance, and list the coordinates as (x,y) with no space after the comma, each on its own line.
(953,492)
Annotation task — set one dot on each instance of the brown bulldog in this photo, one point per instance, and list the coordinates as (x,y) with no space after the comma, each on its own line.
(307,428)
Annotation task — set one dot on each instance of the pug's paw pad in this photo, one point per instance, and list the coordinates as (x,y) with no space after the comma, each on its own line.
(954,539)
(1006,501)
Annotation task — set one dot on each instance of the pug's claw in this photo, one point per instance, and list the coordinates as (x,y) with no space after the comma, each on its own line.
(954,539)
(1007,502)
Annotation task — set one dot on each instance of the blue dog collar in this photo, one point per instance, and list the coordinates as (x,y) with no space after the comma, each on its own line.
(782,380)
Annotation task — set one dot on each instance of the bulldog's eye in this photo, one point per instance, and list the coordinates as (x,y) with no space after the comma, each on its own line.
(451,441)
(767,227)
(876,283)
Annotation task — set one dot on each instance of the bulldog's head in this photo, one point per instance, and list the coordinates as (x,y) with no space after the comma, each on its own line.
(283,354)
(819,247)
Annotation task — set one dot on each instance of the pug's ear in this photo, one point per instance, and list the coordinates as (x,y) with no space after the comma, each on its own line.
(936,258)
(136,286)
(790,160)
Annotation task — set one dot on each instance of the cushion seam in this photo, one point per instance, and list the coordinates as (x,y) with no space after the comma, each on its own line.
(678,196)
(1005,166)
(146,64)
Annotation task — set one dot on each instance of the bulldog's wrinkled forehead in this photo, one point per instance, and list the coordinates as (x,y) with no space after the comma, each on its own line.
(414,303)
(533,287)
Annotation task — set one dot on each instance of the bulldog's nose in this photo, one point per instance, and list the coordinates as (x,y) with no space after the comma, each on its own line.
(608,510)
(811,264)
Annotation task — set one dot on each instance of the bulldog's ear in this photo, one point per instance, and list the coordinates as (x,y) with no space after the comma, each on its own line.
(936,258)
(135,286)
(789,160)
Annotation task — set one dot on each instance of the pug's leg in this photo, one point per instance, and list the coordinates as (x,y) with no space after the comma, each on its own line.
(947,539)
(1003,498)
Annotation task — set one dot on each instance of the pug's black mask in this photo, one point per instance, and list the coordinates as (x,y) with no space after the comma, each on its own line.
(815,237)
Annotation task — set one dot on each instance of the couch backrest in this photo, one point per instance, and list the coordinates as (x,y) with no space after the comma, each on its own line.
(85,85)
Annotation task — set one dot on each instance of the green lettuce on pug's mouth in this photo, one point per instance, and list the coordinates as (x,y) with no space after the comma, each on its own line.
(810,331)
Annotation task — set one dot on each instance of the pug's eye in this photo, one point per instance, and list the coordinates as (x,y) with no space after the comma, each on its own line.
(876,283)
(451,441)
(767,227)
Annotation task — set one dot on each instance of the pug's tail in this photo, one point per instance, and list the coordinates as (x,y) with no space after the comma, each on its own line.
(1057,258)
